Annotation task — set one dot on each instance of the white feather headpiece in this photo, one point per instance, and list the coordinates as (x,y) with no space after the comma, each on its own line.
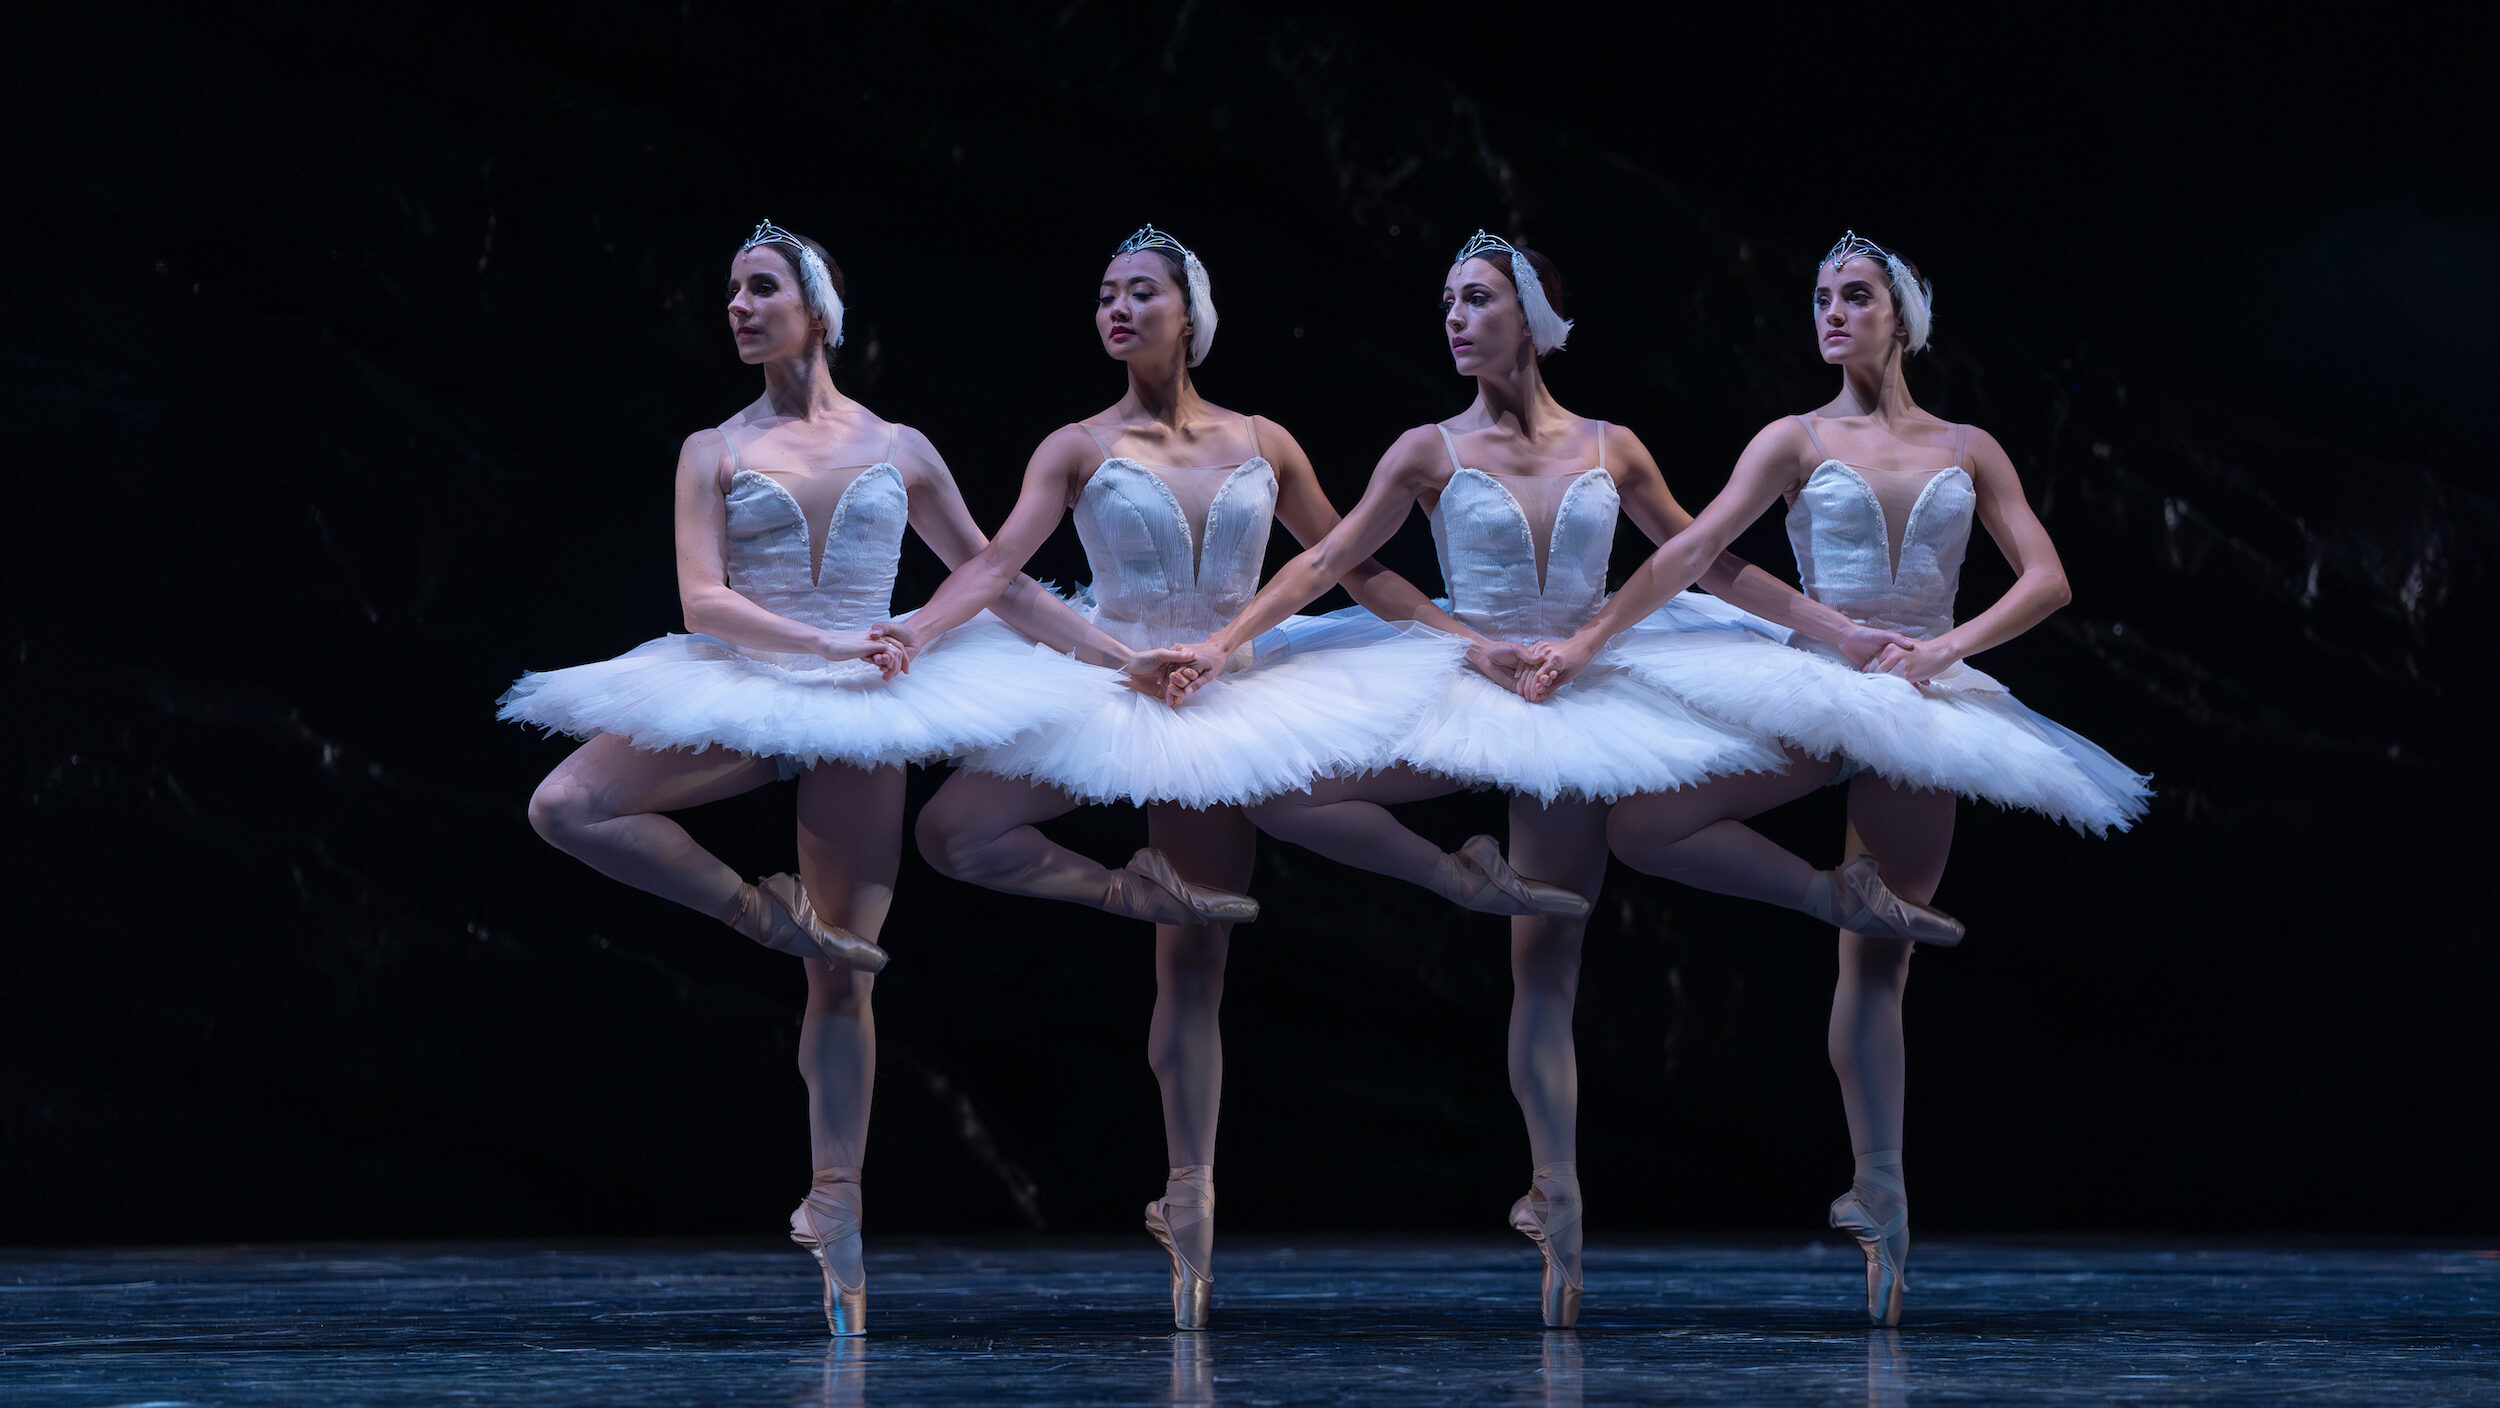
(1201,294)
(1916,301)
(1547,330)
(815,281)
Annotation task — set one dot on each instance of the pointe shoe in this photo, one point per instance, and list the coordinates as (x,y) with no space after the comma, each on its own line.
(829,1216)
(1476,877)
(787,902)
(1886,1243)
(1867,906)
(1149,888)
(1542,1217)
(1188,1199)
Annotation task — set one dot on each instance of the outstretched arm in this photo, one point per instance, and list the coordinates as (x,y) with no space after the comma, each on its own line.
(1763,472)
(1343,550)
(1648,502)
(990,570)
(938,515)
(2039,578)
(712,609)
(1306,513)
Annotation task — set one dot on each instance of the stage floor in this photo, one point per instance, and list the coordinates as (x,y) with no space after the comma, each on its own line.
(1298,1321)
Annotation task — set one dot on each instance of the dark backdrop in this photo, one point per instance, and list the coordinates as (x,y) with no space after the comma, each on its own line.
(345,360)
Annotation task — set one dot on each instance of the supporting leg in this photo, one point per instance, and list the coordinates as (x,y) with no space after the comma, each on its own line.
(1566,841)
(850,824)
(1909,834)
(1185,1045)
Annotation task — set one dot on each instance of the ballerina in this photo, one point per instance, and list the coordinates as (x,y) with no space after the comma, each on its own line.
(1173,499)
(1880,531)
(789,520)
(1523,498)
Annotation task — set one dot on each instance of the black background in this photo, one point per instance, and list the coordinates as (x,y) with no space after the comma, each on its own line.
(345,359)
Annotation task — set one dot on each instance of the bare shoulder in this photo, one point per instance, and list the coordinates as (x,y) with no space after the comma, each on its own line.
(1623,448)
(1418,460)
(1982,447)
(1273,439)
(1784,436)
(706,455)
(1069,453)
(916,456)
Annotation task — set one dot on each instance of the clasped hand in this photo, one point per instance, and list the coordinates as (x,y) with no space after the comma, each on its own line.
(1146,671)
(1869,648)
(884,645)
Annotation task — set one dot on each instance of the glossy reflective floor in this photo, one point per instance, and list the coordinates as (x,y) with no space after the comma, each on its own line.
(1298,1322)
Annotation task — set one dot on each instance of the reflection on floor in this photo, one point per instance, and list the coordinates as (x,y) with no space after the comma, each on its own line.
(1297,1322)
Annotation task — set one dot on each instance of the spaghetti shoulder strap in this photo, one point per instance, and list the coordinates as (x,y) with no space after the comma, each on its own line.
(1090,435)
(1807,423)
(1257,452)
(893,442)
(731,441)
(1448,444)
(1601,444)
(1961,438)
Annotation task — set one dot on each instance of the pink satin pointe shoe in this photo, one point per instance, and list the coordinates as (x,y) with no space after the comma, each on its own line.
(1886,1241)
(1551,1208)
(1476,877)
(776,912)
(1149,888)
(1865,905)
(828,1217)
(1188,1200)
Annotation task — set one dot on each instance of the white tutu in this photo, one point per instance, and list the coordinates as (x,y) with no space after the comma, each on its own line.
(977,686)
(1321,700)
(1963,732)
(1606,736)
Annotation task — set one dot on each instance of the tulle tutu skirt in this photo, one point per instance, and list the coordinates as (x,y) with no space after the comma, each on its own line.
(977,686)
(1963,732)
(1321,700)
(1604,736)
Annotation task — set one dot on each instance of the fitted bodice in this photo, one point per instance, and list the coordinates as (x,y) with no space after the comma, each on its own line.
(1844,546)
(1156,580)
(852,588)
(1486,540)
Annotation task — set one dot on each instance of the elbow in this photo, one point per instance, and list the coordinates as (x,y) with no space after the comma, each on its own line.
(2056,591)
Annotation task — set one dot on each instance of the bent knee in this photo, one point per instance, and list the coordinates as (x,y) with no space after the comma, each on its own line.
(949,842)
(561,808)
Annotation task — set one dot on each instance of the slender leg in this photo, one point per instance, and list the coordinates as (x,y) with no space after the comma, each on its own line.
(850,823)
(1185,1044)
(1697,836)
(980,828)
(1348,821)
(601,807)
(1565,841)
(1909,833)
